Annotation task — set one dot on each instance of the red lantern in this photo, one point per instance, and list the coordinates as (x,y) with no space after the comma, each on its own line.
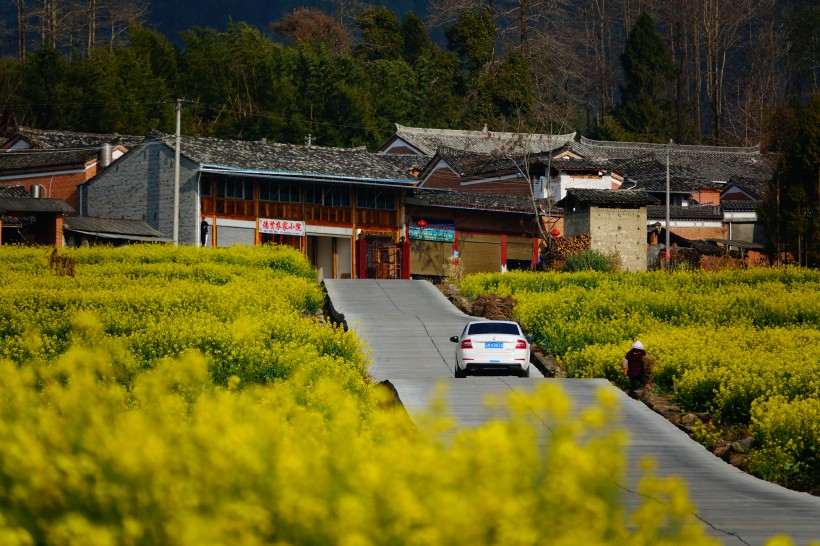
(555,233)
(422,224)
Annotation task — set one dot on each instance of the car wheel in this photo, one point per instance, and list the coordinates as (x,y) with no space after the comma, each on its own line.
(460,373)
(525,373)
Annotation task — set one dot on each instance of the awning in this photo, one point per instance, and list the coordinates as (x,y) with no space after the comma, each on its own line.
(121,236)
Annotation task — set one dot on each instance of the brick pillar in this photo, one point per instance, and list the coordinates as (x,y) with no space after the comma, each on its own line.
(58,232)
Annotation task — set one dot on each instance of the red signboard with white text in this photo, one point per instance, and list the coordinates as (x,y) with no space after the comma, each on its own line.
(281,227)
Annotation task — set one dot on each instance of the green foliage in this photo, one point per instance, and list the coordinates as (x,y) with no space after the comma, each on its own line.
(588,260)
(161,55)
(790,210)
(51,89)
(381,34)
(472,38)
(122,93)
(646,109)
(415,40)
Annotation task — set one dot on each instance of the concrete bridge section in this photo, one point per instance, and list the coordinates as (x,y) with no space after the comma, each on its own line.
(408,325)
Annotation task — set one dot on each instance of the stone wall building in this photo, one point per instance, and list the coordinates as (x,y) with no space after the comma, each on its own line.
(615,221)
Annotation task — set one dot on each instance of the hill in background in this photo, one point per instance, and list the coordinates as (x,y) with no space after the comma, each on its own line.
(169,18)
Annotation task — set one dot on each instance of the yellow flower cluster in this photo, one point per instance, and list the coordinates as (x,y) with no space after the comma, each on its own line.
(789,436)
(172,460)
(179,397)
(722,341)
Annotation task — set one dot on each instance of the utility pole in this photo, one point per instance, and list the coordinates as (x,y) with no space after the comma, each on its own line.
(668,250)
(178,109)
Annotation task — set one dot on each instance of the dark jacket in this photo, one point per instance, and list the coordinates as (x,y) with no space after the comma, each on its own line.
(634,362)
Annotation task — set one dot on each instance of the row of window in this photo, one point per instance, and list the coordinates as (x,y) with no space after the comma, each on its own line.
(330,195)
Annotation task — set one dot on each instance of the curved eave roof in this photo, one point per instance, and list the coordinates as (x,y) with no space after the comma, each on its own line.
(482,142)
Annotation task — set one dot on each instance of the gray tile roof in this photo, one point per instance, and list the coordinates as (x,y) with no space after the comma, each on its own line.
(25,160)
(87,224)
(15,190)
(739,205)
(631,198)
(755,188)
(692,212)
(571,164)
(474,201)
(405,162)
(428,141)
(15,198)
(650,174)
(472,164)
(714,163)
(29,204)
(289,159)
(50,139)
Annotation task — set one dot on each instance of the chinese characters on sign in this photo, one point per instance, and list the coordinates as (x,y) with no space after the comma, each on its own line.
(432,231)
(281,227)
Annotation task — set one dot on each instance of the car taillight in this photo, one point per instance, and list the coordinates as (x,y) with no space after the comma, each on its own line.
(521,344)
(466,344)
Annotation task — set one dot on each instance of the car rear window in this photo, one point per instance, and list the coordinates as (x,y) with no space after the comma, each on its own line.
(493,328)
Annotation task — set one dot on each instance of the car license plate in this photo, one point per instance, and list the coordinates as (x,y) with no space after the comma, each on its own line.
(493,345)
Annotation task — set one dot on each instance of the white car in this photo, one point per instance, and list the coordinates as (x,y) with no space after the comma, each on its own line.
(492,345)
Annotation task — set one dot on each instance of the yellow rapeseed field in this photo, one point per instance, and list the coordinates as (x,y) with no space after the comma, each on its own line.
(179,396)
(743,346)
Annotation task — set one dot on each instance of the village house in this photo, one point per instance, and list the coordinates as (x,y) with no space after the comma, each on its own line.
(429,200)
(53,164)
(476,188)
(342,208)
(614,220)
(30,220)
(698,177)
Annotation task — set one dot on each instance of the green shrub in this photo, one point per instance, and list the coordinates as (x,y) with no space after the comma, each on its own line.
(588,260)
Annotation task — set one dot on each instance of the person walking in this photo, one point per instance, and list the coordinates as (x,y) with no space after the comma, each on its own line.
(203,232)
(634,367)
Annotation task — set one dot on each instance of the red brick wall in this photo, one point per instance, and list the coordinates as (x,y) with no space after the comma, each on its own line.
(442,178)
(58,186)
(697,233)
(707,197)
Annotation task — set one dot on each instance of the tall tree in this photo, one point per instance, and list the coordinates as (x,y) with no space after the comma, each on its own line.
(791,208)
(381,34)
(312,26)
(472,39)
(647,92)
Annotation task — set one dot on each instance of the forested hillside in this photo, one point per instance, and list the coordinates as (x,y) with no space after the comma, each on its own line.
(707,71)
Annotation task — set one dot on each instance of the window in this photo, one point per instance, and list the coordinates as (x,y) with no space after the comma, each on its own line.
(328,195)
(494,328)
(205,187)
(285,192)
(375,198)
(235,188)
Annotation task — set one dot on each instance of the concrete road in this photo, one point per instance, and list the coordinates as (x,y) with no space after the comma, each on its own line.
(408,325)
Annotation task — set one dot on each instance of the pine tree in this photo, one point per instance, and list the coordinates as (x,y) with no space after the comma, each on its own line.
(646,109)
